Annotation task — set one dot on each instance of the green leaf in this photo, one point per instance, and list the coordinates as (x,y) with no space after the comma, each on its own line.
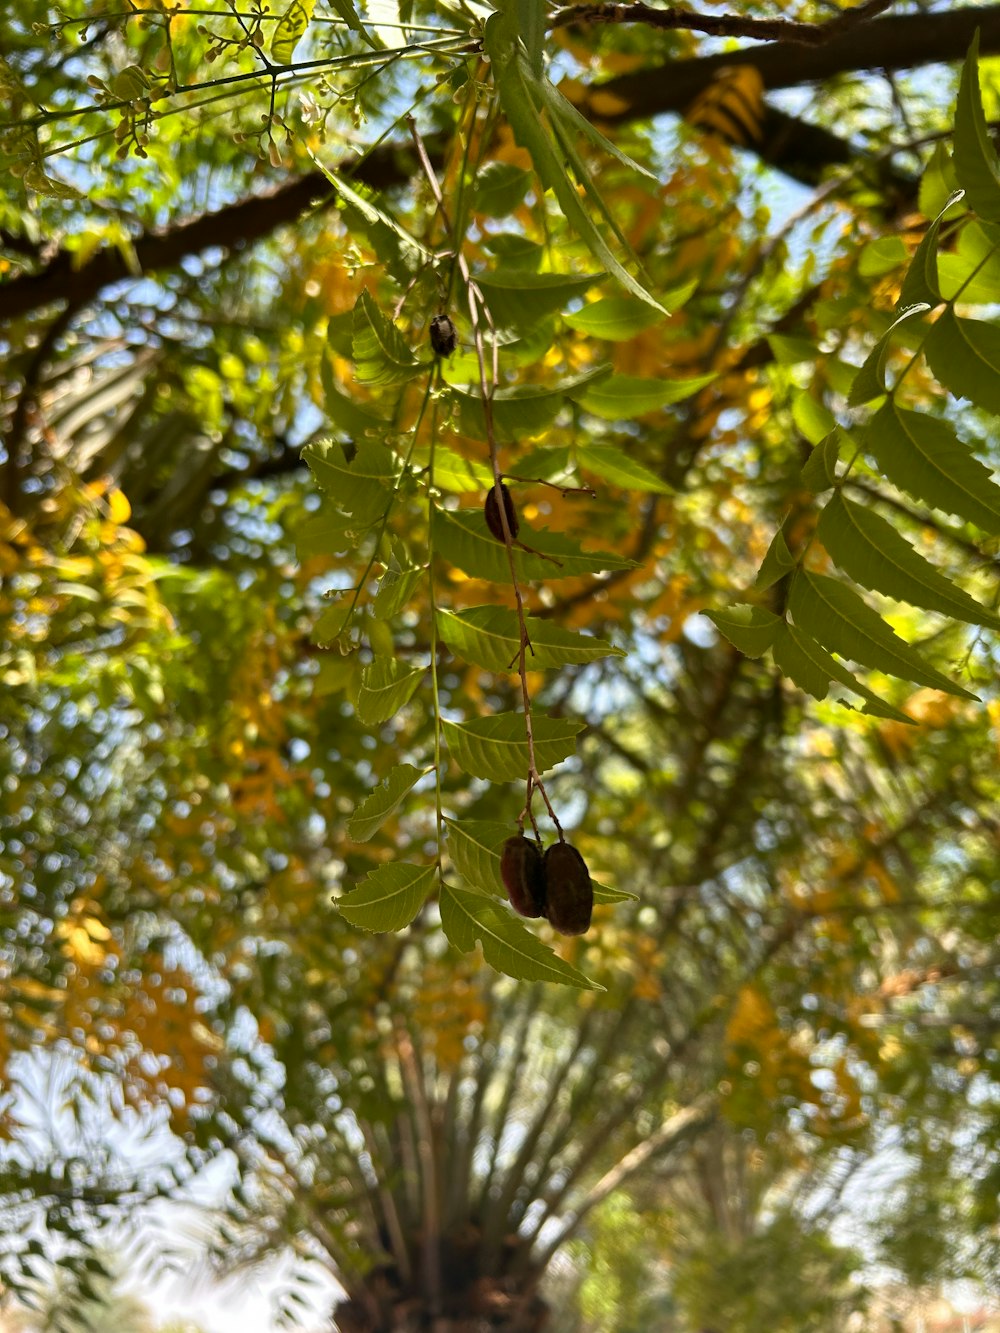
(496,748)
(525,409)
(565,113)
(500,188)
(820,470)
(975,159)
(547,463)
(330,626)
(791,351)
(327,532)
(489,636)
(964,354)
(389,897)
(394,589)
(618,318)
(345,9)
(813,419)
(515,84)
(921,281)
(453,472)
(923,455)
(874,554)
(937,184)
(383,802)
(344,413)
(475,845)
(380,355)
(811,667)
(776,564)
(464,540)
(289,30)
(971,273)
(386,687)
(835,615)
(614,465)
(516,251)
(531,25)
(751,629)
(517,298)
(870,380)
(508,946)
(622,397)
(393,244)
(361,487)
(882,256)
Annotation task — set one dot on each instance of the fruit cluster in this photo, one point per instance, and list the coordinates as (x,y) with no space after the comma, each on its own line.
(556,885)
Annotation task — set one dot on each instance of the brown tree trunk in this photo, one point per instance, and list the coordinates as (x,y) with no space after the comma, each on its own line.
(471,1301)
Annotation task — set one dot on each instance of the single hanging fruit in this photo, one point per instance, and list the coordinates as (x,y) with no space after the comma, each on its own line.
(569,894)
(444,335)
(523,876)
(492,511)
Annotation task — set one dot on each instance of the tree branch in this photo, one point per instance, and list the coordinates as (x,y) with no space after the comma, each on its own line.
(235,225)
(722,25)
(898,42)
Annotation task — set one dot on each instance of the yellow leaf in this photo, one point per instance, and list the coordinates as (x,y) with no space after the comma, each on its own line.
(119,509)
(292,25)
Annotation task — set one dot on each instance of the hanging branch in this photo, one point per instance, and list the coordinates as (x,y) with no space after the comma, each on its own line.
(479,314)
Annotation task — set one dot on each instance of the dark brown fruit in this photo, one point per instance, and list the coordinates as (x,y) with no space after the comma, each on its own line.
(492,510)
(569,894)
(444,335)
(523,877)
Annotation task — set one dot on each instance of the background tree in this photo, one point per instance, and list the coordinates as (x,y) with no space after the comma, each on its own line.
(811,954)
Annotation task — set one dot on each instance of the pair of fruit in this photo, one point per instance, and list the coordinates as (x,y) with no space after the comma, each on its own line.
(556,885)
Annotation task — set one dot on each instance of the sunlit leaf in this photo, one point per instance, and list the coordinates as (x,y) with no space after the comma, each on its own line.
(869,382)
(489,636)
(921,281)
(381,356)
(497,748)
(614,465)
(386,687)
(389,897)
(517,297)
(621,397)
(835,615)
(870,549)
(289,29)
(618,318)
(975,157)
(383,802)
(513,81)
(812,668)
(362,486)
